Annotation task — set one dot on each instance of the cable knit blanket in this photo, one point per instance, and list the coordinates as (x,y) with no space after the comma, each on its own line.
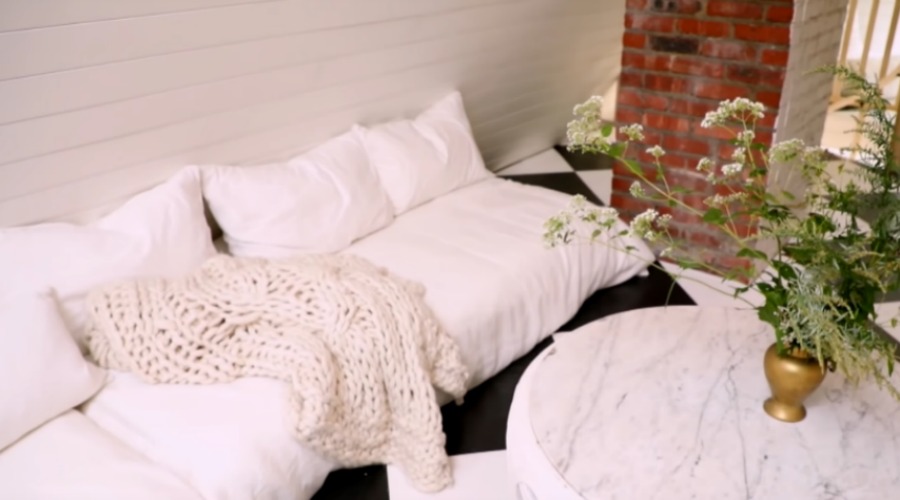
(360,350)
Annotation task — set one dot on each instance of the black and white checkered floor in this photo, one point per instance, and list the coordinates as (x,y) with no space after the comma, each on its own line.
(476,431)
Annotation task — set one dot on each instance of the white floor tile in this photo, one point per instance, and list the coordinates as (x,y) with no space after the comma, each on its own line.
(600,182)
(711,290)
(476,476)
(886,311)
(547,162)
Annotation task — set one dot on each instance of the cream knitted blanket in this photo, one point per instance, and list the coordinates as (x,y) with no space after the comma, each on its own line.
(359,349)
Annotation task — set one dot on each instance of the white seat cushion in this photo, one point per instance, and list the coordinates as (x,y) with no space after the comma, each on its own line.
(489,278)
(70,458)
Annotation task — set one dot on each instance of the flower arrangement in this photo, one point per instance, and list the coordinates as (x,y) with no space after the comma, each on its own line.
(821,259)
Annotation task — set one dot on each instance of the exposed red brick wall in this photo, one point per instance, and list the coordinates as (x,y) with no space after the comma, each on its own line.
(680,58)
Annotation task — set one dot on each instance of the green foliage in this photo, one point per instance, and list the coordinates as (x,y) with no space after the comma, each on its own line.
(836,246)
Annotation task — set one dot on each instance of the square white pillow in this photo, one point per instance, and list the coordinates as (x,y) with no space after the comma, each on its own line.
(418,160)
(160,232)
(43,371)
(317,202)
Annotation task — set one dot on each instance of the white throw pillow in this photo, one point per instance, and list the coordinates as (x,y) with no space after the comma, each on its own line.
(43,371)
(160,232)
(317,202)
(421,159)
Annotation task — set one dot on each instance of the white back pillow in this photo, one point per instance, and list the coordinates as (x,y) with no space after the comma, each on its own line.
(43,371)
(317,202)
(160,232)
(418,160)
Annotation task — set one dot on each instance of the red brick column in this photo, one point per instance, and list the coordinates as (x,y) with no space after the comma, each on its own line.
(680,58)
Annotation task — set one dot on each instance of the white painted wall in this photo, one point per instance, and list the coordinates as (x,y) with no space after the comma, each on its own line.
(100,99)
(815,41)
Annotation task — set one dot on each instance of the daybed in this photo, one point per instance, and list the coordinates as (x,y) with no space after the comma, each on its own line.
(417,201)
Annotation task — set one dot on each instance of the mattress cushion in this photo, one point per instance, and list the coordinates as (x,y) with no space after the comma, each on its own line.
(69,457)
(489,277)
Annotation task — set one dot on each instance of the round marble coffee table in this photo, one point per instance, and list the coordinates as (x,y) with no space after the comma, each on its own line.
(666,403)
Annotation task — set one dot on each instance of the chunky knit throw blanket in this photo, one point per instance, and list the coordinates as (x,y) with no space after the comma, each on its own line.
(359,349)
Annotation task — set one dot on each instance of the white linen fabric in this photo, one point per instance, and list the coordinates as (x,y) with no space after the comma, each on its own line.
(161,232)
(490,281)
(43,371)
(488,276)
(317,202)
(418,160)
(358,347)
(70,458)
(229,441)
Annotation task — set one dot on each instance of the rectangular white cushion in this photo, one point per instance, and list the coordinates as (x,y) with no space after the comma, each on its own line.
(70,458)
(319,201)
(229,441)
(488,276)
(160,232)
(42,371)
(420,159)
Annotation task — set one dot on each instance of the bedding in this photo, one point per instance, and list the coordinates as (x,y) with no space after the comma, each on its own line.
(43,371)
(160,232)
(488,276)
(359,349)
(228,441)
(496,289)
(319,201)
(70,457)
(420,159)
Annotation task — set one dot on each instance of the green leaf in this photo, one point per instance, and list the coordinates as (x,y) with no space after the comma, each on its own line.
(616,149)
(714,216)
(633,168)
(606,130)
(752,253)
(785,271)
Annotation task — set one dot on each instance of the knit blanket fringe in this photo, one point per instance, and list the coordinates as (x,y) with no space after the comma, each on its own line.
(359,349)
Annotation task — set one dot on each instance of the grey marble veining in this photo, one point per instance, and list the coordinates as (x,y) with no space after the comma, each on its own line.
(666,403)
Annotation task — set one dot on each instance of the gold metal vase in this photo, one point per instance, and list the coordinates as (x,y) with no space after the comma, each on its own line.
(792,378)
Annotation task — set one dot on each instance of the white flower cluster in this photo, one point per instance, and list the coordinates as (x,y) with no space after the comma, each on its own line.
(642,225)
(739,154)
(634,132)
(718,200)
(656,151)
(745,136)
(732,169)
(705,165)
(637,190)
(786,151)
(739,109)
(586,128)
(647,224)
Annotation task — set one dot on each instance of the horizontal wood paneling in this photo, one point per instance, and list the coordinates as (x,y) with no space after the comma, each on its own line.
(76,141)
(26,14)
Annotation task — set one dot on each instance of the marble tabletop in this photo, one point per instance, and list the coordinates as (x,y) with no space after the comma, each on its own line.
(666,403)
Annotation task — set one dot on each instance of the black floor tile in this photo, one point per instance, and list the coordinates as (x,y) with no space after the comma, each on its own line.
(364,483)
(479,424)
(581,161)
(657,289)
(566,182)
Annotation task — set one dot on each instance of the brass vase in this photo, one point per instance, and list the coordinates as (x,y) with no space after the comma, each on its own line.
(792,378)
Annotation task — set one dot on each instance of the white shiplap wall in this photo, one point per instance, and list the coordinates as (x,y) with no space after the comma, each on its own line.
(101,99)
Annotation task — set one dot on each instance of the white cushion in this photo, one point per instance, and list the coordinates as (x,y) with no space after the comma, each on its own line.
(488,276)
(421,159)
(43,371)
(317,202)
(229,441)
(161,232)
(70,458)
